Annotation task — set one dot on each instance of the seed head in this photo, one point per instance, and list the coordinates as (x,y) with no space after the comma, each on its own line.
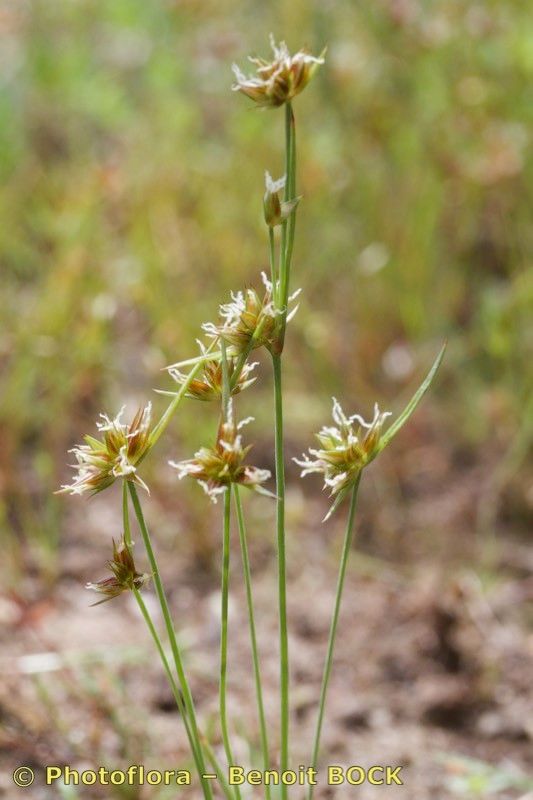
(218,467)
(276,211)
(345,449)
(116,455)
(209,386)
(249,322)
(277,81)
(124,578)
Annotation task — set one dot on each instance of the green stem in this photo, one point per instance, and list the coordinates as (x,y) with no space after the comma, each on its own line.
(290,193)
(288,227)
(126,516)
(282,569)
(174,686)
(226,389)
(348,538)
(217,766)
(224,632)
(285,224)
(273,270)
(179,699)
(155,636)
(253,635)
(187,696)
(226,541)
(150,624)
(287,239)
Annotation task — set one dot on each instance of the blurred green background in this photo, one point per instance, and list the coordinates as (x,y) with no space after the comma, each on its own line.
(130,200)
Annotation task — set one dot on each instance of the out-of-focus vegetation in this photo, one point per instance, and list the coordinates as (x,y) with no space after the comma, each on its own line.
(470,778)
(130,201)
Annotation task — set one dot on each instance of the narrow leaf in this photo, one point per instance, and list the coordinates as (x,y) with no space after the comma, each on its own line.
(336,503)
(412,404)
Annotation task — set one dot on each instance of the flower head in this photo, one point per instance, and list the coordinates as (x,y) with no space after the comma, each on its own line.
(276,211)
(209,385)
(345,449)
(124,578)
(249,322)
(277,81)
(116,455)
(216,468)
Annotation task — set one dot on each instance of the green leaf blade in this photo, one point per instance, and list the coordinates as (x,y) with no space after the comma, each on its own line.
(391,432)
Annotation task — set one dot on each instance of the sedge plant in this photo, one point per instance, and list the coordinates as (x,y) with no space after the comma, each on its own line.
(253,318)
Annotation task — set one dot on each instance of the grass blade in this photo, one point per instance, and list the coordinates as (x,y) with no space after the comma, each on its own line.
(412,404)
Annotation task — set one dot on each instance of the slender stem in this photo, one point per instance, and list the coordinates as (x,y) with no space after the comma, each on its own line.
(226,541)
(288,148)
(253,635)
(126,516)
(287,238)
(348,538)
(153,631)
(288,228)
(155,636)
(273,269)
(224,632)
(150,624)
(187,696)
(179,699)
(287,196)
(282,570)
(217,766)
(226,389)
(290,193)
(174,686)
